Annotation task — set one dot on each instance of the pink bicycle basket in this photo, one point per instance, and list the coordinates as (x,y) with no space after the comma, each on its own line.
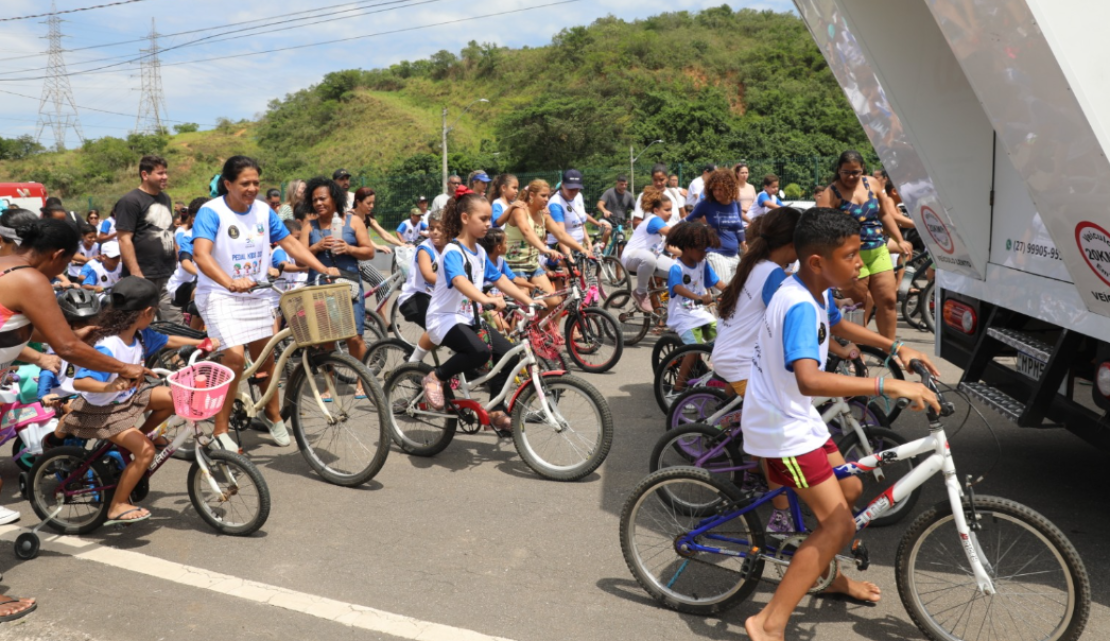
(199,390)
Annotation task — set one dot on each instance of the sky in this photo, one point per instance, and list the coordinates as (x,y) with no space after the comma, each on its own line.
(106,82)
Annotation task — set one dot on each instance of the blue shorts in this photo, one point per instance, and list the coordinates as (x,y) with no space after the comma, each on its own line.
(540,271)
(360,309)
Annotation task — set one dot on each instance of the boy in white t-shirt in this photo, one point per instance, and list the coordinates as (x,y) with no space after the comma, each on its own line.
(780,423)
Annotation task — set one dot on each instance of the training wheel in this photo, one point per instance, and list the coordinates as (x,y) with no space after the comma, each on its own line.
(24,486)
(27,546)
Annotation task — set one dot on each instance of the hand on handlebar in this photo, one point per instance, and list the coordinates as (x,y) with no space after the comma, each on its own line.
(495,303)
(551,253)
(908,355)
(135,373)
(918,395)
(241,285)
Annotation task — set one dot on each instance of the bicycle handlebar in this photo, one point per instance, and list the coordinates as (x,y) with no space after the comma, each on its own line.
(947,408)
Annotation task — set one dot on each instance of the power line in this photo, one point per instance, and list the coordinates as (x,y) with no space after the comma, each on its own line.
(55,13)
(103,111)
(326,42)
(152,102)
(56,90)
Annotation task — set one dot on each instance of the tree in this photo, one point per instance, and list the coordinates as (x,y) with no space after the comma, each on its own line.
(186,128)
(17,148)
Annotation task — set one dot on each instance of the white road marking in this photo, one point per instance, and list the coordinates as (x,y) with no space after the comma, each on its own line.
(348,614)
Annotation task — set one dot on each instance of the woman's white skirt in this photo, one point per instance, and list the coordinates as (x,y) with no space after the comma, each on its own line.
(236,320)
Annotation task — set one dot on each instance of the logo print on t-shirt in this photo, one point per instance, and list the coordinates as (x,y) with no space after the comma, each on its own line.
(435,267)
(821,333)
(70,371)
(686,279)
(104,278)
(233,232)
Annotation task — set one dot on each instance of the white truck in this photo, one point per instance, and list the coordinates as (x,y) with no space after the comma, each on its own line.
(989,116)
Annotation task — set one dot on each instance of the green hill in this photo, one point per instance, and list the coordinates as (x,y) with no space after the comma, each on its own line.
(716,86)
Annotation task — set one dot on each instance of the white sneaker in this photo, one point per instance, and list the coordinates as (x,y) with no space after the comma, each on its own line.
(8,516)
(278,431)
(225,442)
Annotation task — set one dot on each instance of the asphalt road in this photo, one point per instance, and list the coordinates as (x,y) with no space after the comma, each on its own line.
(471,544)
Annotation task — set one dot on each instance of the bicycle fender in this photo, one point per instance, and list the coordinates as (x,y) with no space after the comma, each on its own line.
(528,383)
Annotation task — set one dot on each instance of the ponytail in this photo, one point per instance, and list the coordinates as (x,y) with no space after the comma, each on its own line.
(767,233)
(455,208)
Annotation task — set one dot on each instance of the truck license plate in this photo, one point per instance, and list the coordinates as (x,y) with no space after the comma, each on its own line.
(1030,366)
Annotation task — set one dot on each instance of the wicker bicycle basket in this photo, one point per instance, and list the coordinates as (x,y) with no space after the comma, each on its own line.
(319,314)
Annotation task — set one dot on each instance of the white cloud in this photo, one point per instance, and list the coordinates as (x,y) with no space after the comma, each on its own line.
(241,86)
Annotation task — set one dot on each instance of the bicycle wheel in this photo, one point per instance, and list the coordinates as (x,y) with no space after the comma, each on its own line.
(614,277)
(374,323)
(694,581)
(243,502)
(577,443)
(344,441)
(23,460)
(672,376)
(385,356)
(911,310)
(1042,588)
(695,406)
(634,323)
(686,445)
(81,513)
(879,365)
(414,426)
(407,331)
(874,483)
(928,306)
(594,340)
(666,344)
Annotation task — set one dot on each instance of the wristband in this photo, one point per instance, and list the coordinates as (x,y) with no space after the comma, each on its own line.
(877,383)
(881,393)
(895,347)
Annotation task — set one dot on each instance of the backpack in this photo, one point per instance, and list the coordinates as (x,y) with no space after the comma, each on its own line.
(214,186)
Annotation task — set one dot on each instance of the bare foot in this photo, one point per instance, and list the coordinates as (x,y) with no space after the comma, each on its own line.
(754,627)
(859,590)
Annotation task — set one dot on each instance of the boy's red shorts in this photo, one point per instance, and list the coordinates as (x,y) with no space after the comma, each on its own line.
(801,472)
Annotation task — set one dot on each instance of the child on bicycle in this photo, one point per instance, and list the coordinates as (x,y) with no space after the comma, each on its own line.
(452,318)
(496,245)
(688,285)
(80,307)
(642,255)
(780,423)
(109,407)
(416,293)
(103,272)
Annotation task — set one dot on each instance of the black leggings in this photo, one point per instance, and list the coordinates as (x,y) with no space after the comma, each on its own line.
(471,352)
(415,309)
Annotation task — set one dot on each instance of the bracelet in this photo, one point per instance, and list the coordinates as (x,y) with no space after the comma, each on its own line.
(881,393)
(895,347)
(878,382)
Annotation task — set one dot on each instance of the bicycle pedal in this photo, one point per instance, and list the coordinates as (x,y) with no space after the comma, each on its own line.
(860,553)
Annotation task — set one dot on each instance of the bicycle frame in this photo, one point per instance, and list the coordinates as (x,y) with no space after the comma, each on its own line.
(939,461)
(254,408)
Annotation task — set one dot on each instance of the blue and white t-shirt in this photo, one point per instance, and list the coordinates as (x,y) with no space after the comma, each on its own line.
(572,215)
(685,314)
(96,274)
(779,421)
(416,283)
(280,257)
(448,306)
(87,252)
(180,276)
(648,235)
(132,354)
(735,344)
(409,232)
(726,220)
(240,242)
(759,207)
(108,226)
(499,207)
(60,383)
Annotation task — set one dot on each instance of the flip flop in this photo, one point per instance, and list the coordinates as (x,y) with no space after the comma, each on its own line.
(496,419)
(17,615)
(121,521)
(433,392)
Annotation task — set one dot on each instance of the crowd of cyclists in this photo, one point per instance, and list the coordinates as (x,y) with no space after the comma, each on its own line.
(719,262)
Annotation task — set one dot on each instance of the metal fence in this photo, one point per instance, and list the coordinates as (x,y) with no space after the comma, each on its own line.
(397,194)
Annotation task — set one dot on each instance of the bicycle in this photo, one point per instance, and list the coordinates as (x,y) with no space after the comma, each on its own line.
(695,544)
(858,427)
(70,487)
(561,425)
(608,267)
(635,322)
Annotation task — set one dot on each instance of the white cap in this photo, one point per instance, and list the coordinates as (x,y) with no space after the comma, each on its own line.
(110,249)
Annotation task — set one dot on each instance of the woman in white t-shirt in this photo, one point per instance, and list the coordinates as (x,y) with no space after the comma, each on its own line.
(231,245)
(645,254)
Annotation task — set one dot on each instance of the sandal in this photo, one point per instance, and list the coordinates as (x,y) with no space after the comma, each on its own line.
(501,424)
(19,614)
(119,520)
(433,391)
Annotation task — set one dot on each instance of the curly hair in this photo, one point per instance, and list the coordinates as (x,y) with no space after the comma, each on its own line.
(113,322)
(693,236)
(652,199)
(724,179)
(337,193)
(453,211)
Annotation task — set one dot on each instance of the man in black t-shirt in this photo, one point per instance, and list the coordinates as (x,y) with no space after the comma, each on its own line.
(144,220)
(616,202)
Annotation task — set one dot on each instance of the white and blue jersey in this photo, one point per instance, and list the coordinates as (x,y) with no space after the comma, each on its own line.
(133,354)
(449,307)
(95,273)
(779,421)
(279,258)
(108,226)
(572,215)
(240,242)
(736,335)
(87,252)
(184,240)
(685,314)
(505,270)
(647,235)
(760,206)
(409,232)
(416,283)
(60,383)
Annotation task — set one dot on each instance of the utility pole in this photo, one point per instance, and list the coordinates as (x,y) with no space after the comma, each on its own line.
(152,102)
(56,91)
(444,149)
(632,158)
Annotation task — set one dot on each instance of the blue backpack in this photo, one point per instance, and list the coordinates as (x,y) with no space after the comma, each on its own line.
(214,186)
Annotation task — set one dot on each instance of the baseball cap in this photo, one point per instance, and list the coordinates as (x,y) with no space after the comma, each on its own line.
(340,173)
(132,294)
(482,177)
(708,168)
(422,199)
(572,179)
(415,212)
(51,208)
(110,249)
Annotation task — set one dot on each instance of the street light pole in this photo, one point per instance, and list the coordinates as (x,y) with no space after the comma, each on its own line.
(446,130)
(632,163)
